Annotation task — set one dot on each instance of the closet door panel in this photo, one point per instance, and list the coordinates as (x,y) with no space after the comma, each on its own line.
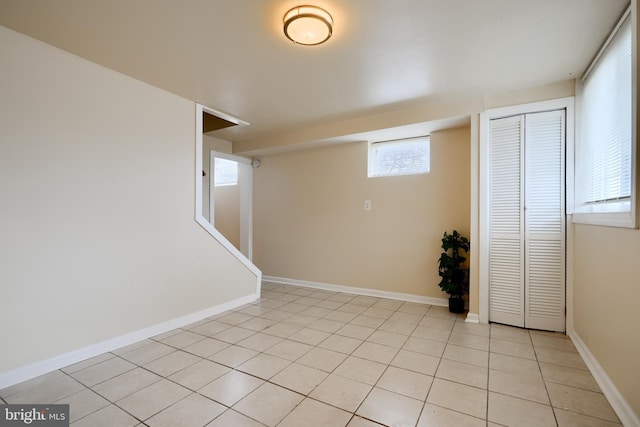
(545,220)
(506,249)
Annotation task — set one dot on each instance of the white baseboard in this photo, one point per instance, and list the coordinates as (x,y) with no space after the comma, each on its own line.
(619,404)
(472,318)
(443,302)
(45,366)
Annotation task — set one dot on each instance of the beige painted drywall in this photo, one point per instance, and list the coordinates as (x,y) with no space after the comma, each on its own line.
(606,296)
(97,193)
(227,213)
(310,223)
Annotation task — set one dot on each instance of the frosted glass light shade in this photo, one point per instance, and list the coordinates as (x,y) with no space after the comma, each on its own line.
(308,25)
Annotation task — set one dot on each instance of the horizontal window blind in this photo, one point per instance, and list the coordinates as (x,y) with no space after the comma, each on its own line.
(603,179)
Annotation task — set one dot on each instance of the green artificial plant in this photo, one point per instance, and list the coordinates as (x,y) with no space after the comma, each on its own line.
(451,265)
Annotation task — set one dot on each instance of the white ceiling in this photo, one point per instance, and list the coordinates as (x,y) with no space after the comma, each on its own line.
(232,56)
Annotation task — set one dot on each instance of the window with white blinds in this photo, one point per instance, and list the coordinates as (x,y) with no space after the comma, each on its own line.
(399,157)
(603,181)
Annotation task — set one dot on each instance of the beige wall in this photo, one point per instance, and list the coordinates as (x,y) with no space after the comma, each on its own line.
(227,215)
(310,223)
(97,191)
(606,297)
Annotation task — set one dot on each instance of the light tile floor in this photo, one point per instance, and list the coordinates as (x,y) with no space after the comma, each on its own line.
(304,358)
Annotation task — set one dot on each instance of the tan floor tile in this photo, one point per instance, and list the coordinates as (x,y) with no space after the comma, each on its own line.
(43,389)
(375,352)
(308,301)
(326,325)
(207,347)
(523,387)
(268,404)
(458,397)
(83,403)
(259,342)
(508,333)
(311,413)
(390,408)
(300,320)
(414,308)
(361,422)
(290,350)
(407,383)
(172,363)
(88,362)
(367,321)
(379,313)
(153,399)
(466,355)
(232,418)
(210,328)
(147,353)
(388,304)
(103,371)
(571,419)
(471,341)
(199,374)
(514,365)
(562,358)
(233,356)
(464,373)
(362,370)
(397,327)
(316,312)
(581,401)
(165,335)
(182,339)
(441,312)
(340,344)
(309,336)
(341,297)
(482,330)
(364,300)
(436,416)
(511,348)
(404,317)
(293,307)
(320,358)
(417,362)
(282,330)
(390,339)
(331,305)
(341,316)
(264,366)
(510,411)
(419,345)
(123,385)
(234,318)
(258,324)
(231,387)
(557,343)
(355,331)
(299,378)
(109,416)
(341,392)
(233,334)
(352,308)
(277,315)
(438,323)
(193,410)
(431,333)
(577,378)
(253,310)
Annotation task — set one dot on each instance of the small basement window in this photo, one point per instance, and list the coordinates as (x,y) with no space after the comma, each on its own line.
(400,157)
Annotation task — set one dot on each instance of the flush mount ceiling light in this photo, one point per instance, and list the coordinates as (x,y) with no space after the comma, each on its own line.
(308,25)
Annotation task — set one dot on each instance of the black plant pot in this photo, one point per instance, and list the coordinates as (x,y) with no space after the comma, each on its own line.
(456,305)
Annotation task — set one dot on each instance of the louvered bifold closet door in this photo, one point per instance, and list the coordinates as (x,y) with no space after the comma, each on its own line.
(545,220)
(506,240)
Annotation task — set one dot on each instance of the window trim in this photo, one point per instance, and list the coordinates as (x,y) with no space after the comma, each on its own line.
(626,219)
(371,158)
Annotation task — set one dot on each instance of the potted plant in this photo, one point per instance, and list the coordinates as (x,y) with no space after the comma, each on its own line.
(452,271)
